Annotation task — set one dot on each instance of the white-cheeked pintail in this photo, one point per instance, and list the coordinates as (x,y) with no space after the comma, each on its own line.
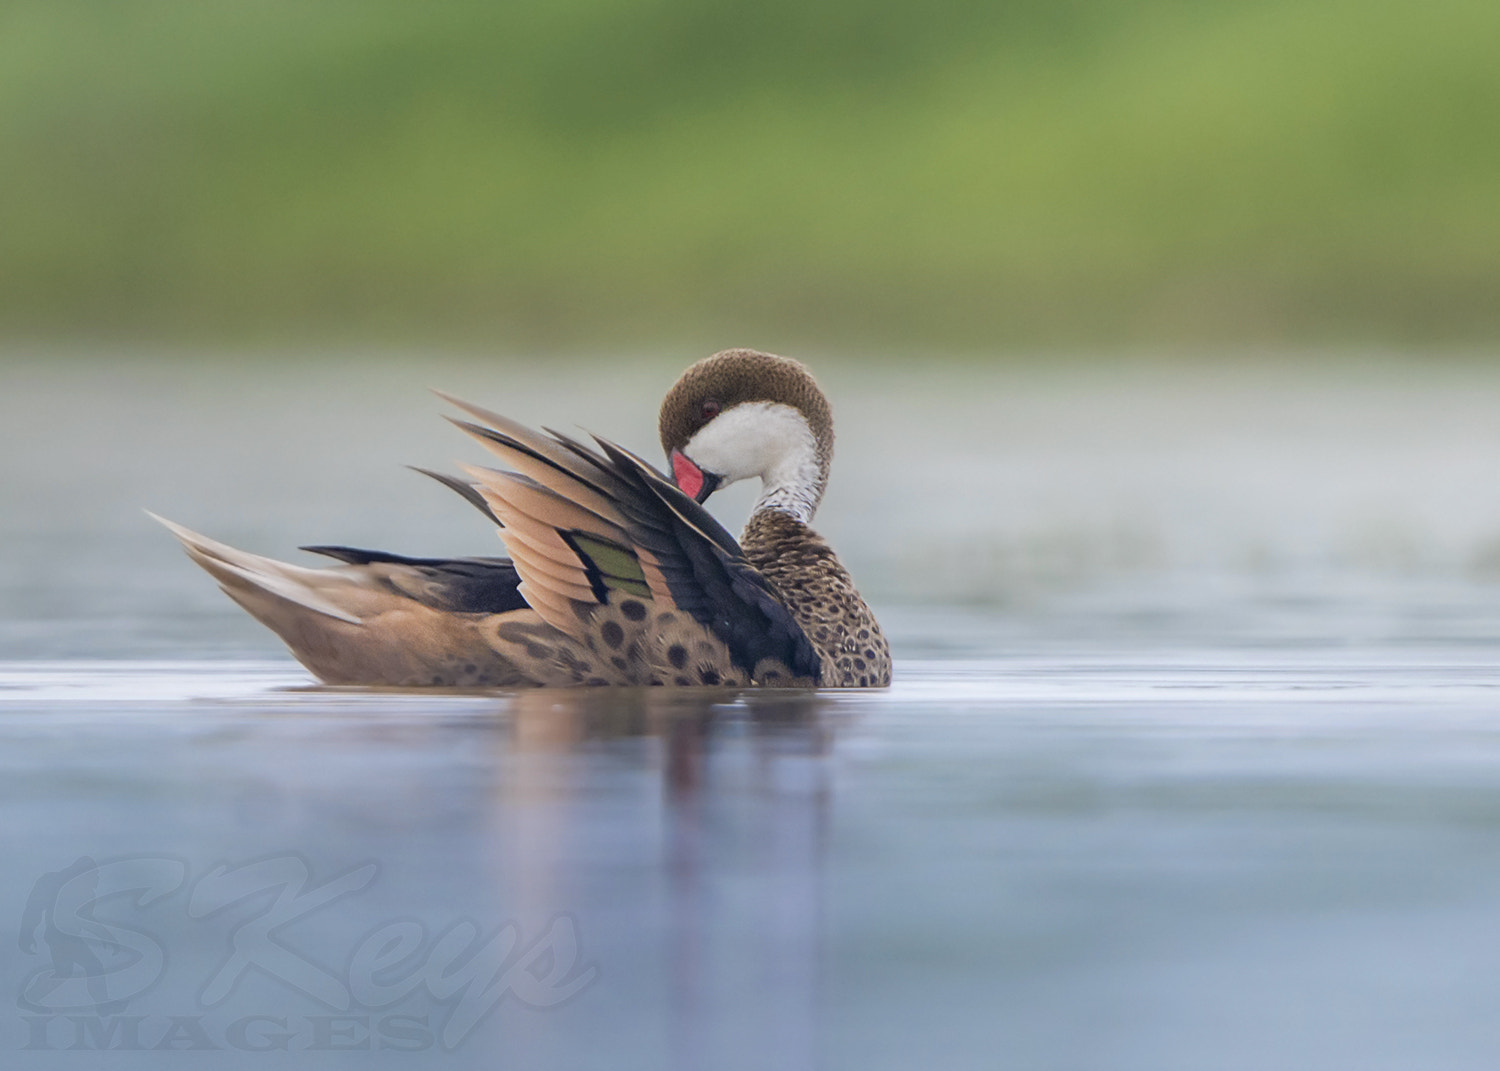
(617,575)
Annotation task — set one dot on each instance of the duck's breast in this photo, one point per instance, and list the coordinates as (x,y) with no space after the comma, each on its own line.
(821,595)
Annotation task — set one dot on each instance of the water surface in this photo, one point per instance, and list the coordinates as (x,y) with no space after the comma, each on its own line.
(1192,759)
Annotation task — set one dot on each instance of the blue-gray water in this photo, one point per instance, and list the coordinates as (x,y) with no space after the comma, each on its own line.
(1192,760)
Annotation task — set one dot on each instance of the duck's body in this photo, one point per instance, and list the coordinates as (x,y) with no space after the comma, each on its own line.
(818,590)
(617,577)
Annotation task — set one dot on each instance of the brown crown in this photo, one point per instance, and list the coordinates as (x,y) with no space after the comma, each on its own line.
(733,377)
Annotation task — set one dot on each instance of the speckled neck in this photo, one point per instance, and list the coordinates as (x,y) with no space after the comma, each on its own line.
(822,598)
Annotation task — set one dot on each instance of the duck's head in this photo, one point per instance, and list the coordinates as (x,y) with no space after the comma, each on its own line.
(741,413)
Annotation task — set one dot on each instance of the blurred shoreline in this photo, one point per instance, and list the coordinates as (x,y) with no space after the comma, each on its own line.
(1292,496)
(1085,174)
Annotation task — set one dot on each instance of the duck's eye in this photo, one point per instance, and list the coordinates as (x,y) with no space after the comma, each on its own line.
(710,408)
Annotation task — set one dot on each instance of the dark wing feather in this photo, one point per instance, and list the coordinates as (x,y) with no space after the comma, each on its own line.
(453,483)
(453,585)
(708,575)
(567,496)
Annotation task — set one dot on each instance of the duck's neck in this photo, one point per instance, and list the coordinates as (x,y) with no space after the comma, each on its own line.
(771,441)
(794,484)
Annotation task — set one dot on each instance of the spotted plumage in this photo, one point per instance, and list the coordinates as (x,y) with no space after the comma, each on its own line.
(821,595)
(616,576)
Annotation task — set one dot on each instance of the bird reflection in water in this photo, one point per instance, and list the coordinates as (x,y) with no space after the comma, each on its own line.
(734,903)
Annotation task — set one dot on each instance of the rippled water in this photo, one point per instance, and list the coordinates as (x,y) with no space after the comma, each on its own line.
(1193,757)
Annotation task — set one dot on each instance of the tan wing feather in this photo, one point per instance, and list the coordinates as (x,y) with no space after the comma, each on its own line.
(549,554)
(555,500)
(548,546)
(566,573)
(548,447)
(552,603)
(567,484)
(590,489)
(512,495)
(537,514)
(654,580)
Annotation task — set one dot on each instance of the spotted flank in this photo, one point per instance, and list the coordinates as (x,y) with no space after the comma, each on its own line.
(615,576)
(820,593)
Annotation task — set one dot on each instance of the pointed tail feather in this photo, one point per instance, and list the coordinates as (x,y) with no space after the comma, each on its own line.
(249,576)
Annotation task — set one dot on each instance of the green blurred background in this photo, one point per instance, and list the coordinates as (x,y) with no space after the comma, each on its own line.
(586,172)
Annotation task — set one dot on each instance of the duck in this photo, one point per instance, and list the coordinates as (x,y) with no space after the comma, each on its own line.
(617,574)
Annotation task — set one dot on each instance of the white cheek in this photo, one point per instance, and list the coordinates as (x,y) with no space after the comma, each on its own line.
(766,440)
(753,439)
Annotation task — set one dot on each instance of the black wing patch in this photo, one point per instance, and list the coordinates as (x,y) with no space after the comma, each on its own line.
(702,565)
(707,572)
(454,585)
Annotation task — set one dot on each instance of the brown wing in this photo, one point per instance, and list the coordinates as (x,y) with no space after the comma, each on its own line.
(607,548)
